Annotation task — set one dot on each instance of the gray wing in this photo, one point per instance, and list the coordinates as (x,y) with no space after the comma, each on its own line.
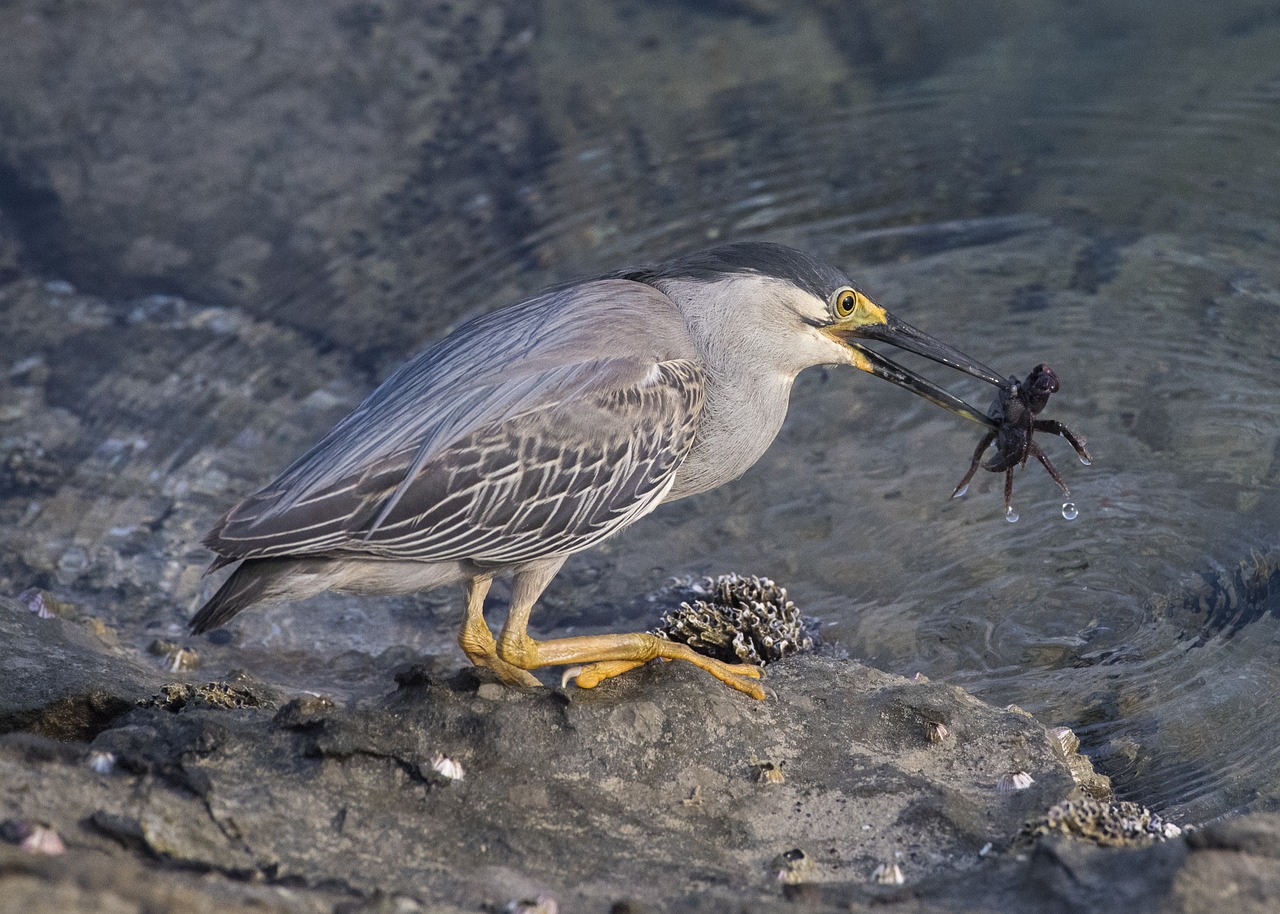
(580,432)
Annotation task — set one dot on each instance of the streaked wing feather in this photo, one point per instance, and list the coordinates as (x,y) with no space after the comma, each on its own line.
(548,480)
(485,372)
(552,452)
(555,480)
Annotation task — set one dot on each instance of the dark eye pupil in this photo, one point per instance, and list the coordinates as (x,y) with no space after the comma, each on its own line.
(846,303)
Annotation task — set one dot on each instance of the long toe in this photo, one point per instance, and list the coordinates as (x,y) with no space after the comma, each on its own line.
(738,676)
(590,675)
(511,675)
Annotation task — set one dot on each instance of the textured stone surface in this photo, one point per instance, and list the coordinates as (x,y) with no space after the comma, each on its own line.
(64,678)
(651,783)
(646,791)
(282,157)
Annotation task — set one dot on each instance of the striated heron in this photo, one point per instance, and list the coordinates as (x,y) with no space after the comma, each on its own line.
(536,431)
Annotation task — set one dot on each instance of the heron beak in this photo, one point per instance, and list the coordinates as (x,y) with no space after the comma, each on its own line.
(871,322)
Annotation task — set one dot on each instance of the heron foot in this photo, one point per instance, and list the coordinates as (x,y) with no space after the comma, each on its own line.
(510,675)
(601,657)
(738,676)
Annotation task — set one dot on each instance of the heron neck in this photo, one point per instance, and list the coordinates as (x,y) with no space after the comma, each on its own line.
(749,380)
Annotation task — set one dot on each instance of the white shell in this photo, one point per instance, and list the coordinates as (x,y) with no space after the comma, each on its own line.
(1066,739)
(43,840)
(888,874)
(102,762)
(448,768)
(1018,780)
(180,660)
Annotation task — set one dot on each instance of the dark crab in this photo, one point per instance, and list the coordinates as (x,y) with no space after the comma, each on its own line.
(1014,413)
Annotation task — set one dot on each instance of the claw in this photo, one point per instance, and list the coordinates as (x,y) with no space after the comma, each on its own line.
(572,672)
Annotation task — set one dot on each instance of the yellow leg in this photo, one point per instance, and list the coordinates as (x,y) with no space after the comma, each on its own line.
(607,655)
(477,642)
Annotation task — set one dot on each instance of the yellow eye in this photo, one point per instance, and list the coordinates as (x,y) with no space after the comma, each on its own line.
(844,303)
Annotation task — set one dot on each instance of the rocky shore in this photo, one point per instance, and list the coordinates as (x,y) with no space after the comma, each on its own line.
(848,788)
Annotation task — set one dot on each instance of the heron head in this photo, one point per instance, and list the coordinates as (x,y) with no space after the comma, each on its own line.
(818,308)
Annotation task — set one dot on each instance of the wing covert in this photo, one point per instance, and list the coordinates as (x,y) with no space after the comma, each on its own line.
(548,458)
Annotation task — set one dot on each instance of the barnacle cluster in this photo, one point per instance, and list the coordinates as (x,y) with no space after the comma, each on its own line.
(1107,824)
(738,619)
(176,696)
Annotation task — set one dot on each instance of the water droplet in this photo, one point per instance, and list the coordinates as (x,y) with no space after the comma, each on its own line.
(960,491)
(1069,510)
(1011,515)
(1086,461)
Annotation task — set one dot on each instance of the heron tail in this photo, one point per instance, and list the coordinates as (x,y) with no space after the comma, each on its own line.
(255,580)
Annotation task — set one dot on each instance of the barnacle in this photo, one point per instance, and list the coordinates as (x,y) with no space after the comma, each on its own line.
(448,769)
(738,619)
(770,773)
(174,657)
(33,837)
(102,762)
(1092,784)
(888,874)
(1014,780)
(792,867)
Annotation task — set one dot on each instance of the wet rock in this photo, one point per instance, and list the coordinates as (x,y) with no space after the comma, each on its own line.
(277,156)
(586,791)
(647,790)
(1256,836)
(1206,872)
(1233,865)
(61,679)
(104,879)
(893,40)
(1220,601)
